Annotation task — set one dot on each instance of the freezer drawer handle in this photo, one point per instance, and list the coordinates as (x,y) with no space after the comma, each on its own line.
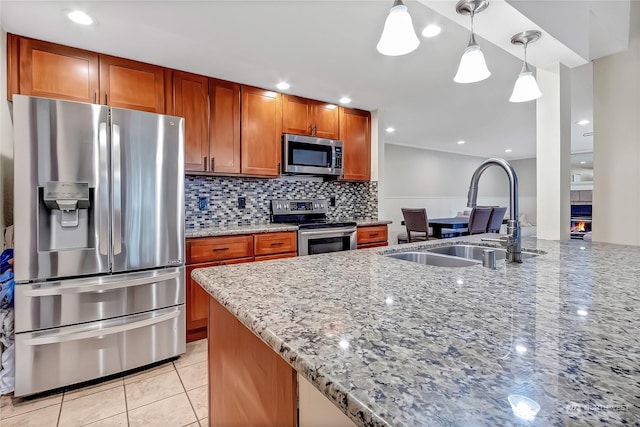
(79,288)
(102,332)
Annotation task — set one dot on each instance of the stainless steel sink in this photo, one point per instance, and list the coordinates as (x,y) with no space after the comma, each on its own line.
(433,259)
(473,252)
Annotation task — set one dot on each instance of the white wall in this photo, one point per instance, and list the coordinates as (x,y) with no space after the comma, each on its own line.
(6,145)
(616,154)
(439,182)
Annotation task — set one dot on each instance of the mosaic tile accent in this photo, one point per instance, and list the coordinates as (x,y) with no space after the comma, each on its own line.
(213,201)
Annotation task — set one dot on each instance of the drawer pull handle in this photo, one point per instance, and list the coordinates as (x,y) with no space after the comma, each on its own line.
(374,234)
(277,243)
(220,249)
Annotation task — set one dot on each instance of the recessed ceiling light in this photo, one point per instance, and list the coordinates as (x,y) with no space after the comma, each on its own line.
(584,122)
(331,106)
(508,150)
(79,17)
(460,142)
(345,100)
(390,129)
(431,30)
(583,163)
(283,85)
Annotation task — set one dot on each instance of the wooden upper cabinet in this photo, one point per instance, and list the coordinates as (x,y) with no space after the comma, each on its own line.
(355,134)
(302,116)
(51,70)
(190,100)
(326,121)
(131,84)
(224,126)
(261,131)
(297,115)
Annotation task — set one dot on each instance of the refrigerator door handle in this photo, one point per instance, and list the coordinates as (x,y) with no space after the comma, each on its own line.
(80,288)
(117,191)
(93,333)
(103,245)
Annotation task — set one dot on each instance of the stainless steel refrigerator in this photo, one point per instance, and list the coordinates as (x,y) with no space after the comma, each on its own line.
(99,241)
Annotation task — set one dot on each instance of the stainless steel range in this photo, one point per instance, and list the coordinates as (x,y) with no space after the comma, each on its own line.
(316,234)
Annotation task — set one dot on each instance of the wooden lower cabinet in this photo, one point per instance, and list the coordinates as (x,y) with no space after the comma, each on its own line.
(251,385)
(206,252)
(372,236)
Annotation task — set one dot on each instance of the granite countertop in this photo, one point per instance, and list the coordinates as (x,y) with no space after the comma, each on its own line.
(392,342)
(226,230)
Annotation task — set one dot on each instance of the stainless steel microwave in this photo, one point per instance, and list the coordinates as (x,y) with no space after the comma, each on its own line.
(311,155)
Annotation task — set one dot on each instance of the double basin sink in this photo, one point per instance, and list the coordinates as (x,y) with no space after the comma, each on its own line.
(456,255)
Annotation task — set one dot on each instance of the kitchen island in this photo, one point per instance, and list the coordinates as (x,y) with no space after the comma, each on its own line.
(392,342)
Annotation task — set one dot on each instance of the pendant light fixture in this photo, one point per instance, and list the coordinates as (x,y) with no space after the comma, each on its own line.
(526,87)
(473,67)
(398,36)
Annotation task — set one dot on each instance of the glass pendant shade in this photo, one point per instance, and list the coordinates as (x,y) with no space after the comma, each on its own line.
(398,36)
(526,88)
(473,67)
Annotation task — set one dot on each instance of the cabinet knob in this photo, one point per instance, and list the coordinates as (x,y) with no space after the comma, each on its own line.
(204,163)
(213,164)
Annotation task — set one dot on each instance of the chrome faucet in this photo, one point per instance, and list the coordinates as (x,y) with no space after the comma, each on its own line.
(513,240)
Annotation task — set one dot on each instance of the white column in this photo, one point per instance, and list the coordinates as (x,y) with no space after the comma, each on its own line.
(377,157)
(553,163)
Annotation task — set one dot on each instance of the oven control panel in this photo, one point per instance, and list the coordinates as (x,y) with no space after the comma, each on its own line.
(290,207)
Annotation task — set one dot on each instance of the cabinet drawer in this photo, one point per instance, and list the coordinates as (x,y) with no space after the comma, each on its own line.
(372,234)
(219,248)
(275,243)
(276,256)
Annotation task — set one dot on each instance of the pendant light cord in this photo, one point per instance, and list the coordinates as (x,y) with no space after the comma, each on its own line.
(525,66)
(472,40)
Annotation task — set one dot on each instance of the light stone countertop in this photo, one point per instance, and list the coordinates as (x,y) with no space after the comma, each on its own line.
(227,230)
(393,342)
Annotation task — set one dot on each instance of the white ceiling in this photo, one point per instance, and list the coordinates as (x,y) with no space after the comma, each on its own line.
(324,49)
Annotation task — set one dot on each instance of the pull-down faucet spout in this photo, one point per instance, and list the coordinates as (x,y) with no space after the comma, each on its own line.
(513,240)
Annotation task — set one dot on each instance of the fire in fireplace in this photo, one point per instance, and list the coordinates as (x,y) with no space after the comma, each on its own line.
(580,220)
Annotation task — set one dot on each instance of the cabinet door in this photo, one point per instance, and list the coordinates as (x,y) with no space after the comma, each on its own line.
(190,101)
(54,71)
(326,120)
(355,133)
(297,115)
(261,131)
(224,127)
(131,84)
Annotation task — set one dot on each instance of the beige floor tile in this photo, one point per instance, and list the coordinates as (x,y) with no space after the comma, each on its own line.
(94,407)
(95,388)
(152,372)
(170,412)
(204,423)
(119,420)
(194,376)
(44,417)
(196,352)
(152,389)
(10,407)
(199,398)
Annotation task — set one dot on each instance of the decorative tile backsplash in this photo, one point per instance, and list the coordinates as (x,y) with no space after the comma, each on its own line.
(213,201)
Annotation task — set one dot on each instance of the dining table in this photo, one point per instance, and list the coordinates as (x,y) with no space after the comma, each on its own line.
(454,226)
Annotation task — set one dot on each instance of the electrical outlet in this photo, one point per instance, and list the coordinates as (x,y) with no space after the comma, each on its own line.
(202,203)
(242,202)
(332,201)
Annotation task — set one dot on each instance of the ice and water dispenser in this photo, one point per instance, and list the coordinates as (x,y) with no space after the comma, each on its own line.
(65,216)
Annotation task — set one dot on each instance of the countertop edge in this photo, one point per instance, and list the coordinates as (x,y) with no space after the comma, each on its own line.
(195,233)
(357,411)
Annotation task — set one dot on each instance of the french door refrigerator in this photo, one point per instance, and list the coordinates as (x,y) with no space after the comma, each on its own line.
(99,241)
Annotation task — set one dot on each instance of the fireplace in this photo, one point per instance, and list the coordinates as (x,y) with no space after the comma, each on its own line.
(580,220)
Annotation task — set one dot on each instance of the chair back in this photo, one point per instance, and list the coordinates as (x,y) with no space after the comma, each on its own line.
(495,220)
(415,220)
(479,220)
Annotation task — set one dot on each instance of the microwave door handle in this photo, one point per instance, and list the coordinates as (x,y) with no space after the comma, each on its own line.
(117,191)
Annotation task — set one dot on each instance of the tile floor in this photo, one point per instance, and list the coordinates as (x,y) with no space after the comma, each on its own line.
(173,394)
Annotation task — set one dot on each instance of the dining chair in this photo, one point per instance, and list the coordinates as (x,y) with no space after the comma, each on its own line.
(495,219)
(417,224)
(478,220)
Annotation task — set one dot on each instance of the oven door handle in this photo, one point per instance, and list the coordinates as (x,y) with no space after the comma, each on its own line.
(332,231)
